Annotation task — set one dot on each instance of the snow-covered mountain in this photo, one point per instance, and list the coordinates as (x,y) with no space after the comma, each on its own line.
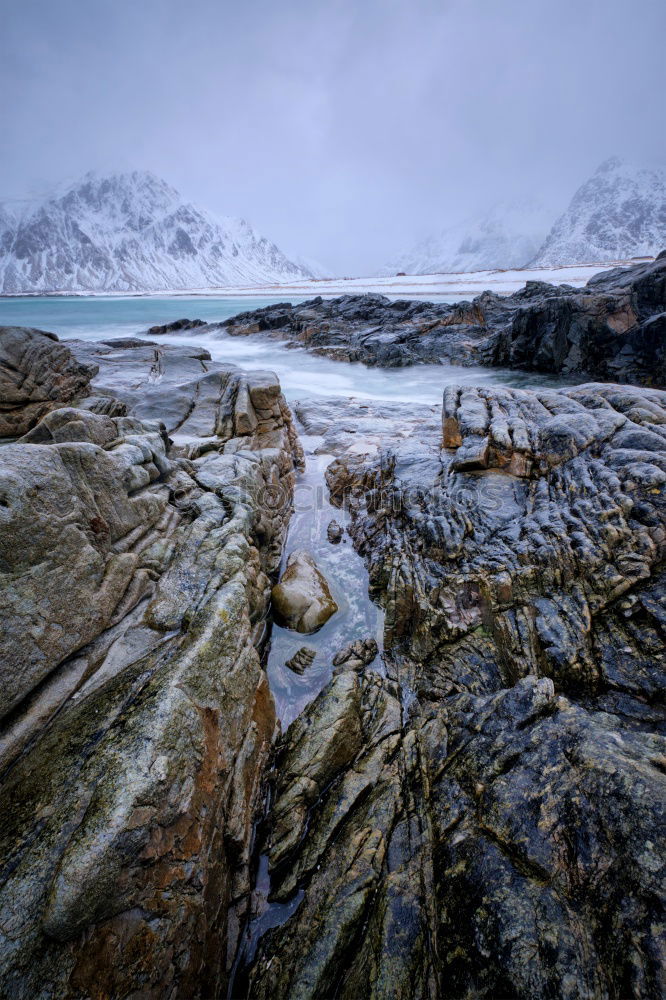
(620,212)
(506,237)
(131,232)
(312,266)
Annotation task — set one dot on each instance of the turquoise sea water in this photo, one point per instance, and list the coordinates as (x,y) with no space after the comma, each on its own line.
(300,373)
(69,315)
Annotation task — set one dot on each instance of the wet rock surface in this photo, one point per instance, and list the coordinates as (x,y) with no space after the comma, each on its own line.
(301,660)
(302,600)
(37,374)
(481,813)
(474,809)
(197,399)
(334,532)
(613,329)
(137,719)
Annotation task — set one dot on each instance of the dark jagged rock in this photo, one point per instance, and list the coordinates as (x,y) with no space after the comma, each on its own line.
(613,329)
(481,815)
(137,722)
(301,660)
(175,327)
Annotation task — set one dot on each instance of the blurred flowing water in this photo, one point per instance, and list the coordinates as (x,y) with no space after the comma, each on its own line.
(301,374)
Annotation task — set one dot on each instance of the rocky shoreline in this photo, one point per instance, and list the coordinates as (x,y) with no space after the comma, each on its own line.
(477,811)
(613,329)
(137,722)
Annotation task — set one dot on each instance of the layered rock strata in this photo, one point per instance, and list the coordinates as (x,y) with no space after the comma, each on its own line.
(482,815)
(137,721)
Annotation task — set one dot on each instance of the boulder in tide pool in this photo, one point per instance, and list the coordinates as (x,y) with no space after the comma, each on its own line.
(302,600)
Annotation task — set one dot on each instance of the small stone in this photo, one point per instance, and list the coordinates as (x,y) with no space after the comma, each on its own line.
(301,660)
(302,600)
(334,533)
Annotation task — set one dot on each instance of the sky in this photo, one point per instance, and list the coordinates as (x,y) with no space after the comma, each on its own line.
(343,130)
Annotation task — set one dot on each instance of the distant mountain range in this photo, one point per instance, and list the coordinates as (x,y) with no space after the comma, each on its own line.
(506,237)
(132,232)
(619,213)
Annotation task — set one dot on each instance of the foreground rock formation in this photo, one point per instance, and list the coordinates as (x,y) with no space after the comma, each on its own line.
(37,374)
(136,717)
(612,329)
(476,812)
(483,815)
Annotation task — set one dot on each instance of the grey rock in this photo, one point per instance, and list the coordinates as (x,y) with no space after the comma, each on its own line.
(37,374)
(204,404)
(137,719)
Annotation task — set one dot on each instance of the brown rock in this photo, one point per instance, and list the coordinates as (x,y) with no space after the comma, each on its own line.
(302,599)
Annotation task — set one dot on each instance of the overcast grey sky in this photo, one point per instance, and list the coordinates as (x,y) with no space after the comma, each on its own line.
(342,130)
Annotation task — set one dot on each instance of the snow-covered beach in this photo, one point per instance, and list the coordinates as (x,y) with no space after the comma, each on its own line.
(463,285)
(454,286)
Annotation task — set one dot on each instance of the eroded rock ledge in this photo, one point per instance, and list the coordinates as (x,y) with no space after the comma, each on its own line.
(613,329)
(484,816)
(136,717)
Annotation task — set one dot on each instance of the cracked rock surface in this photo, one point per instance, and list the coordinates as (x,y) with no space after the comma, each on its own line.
(482,815)
(136,716)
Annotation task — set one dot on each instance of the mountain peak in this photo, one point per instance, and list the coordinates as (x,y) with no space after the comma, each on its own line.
(618,213)
(131,231)
(611,164)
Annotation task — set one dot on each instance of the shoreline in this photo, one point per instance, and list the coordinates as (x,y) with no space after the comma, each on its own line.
(470,283)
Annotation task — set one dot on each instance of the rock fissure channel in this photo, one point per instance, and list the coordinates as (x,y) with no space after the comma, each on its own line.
(328,696)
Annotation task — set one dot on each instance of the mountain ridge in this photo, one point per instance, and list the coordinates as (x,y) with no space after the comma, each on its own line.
(617,213)
(131,231)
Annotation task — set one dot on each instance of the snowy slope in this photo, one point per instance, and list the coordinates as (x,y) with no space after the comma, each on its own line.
(620,212)
(508,236)
(312,266)
(131,232)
